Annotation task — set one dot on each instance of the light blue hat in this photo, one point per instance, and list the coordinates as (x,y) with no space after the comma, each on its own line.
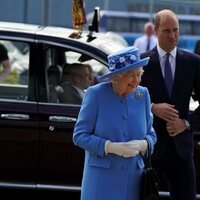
(123,61)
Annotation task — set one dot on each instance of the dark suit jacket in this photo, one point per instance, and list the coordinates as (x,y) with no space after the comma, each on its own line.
(70,94)
(186,82)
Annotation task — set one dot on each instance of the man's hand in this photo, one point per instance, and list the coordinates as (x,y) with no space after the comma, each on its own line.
(175,126)
(165,111)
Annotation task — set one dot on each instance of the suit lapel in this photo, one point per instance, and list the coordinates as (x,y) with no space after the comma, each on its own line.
(178,83)
(155,64)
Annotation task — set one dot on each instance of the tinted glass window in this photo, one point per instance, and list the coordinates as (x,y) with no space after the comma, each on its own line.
(68,74)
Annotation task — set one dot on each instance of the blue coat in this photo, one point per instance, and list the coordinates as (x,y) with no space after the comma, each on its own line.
(107,116)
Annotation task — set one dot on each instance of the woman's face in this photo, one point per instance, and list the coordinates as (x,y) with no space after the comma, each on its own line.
(128,81)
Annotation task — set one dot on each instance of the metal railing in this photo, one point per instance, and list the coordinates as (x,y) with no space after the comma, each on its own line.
(166,194)
(163,194)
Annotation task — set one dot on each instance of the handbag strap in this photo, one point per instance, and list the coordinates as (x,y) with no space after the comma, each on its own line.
(148,159)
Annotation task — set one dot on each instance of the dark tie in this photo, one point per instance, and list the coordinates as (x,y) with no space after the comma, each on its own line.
(148,44)
(168,75)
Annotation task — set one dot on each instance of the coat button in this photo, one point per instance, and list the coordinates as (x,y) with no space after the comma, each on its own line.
(125,117)
(124,168)
(125,134)
(122,100)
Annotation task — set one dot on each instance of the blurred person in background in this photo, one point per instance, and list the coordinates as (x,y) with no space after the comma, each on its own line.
(93,75)
(147,41)
(76,79)
(5,62)
(171,76)
(197,47)
(55,73)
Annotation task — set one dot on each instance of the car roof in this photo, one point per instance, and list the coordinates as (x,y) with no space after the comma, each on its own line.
(98,40)
(19,27)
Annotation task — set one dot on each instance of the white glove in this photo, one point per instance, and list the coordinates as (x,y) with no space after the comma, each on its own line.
(125,149)
(141,144)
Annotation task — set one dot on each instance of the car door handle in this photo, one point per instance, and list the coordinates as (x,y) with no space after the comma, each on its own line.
(15,116)
(62,119)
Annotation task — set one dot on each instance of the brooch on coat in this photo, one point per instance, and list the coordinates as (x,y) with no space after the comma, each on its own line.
(138,95)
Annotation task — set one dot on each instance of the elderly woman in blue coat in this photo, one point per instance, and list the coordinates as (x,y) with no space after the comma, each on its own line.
(112,127)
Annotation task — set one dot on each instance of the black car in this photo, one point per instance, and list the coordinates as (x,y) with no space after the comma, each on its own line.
(36,149)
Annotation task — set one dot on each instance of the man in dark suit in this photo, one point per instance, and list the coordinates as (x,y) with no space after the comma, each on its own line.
(76,79)
(173,153)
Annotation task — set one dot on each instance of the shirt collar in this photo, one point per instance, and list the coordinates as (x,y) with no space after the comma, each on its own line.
(162,53)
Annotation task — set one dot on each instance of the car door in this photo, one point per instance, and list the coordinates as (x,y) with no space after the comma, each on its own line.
(60,161)
(19,127)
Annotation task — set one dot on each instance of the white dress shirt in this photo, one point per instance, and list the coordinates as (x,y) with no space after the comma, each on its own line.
(141,42)
(172,59)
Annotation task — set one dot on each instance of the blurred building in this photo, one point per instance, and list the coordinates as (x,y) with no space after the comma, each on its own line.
(59,12)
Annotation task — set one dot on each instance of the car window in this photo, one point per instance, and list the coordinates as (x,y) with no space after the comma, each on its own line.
(64,85)
(15,84)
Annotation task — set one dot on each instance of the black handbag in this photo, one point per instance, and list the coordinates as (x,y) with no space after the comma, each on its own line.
(149,187)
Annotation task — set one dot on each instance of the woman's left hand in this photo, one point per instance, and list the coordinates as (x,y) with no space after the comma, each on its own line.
(140,144)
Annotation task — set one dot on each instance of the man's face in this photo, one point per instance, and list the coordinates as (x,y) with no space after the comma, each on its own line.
(149,30)
(168,33)
(84,78)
